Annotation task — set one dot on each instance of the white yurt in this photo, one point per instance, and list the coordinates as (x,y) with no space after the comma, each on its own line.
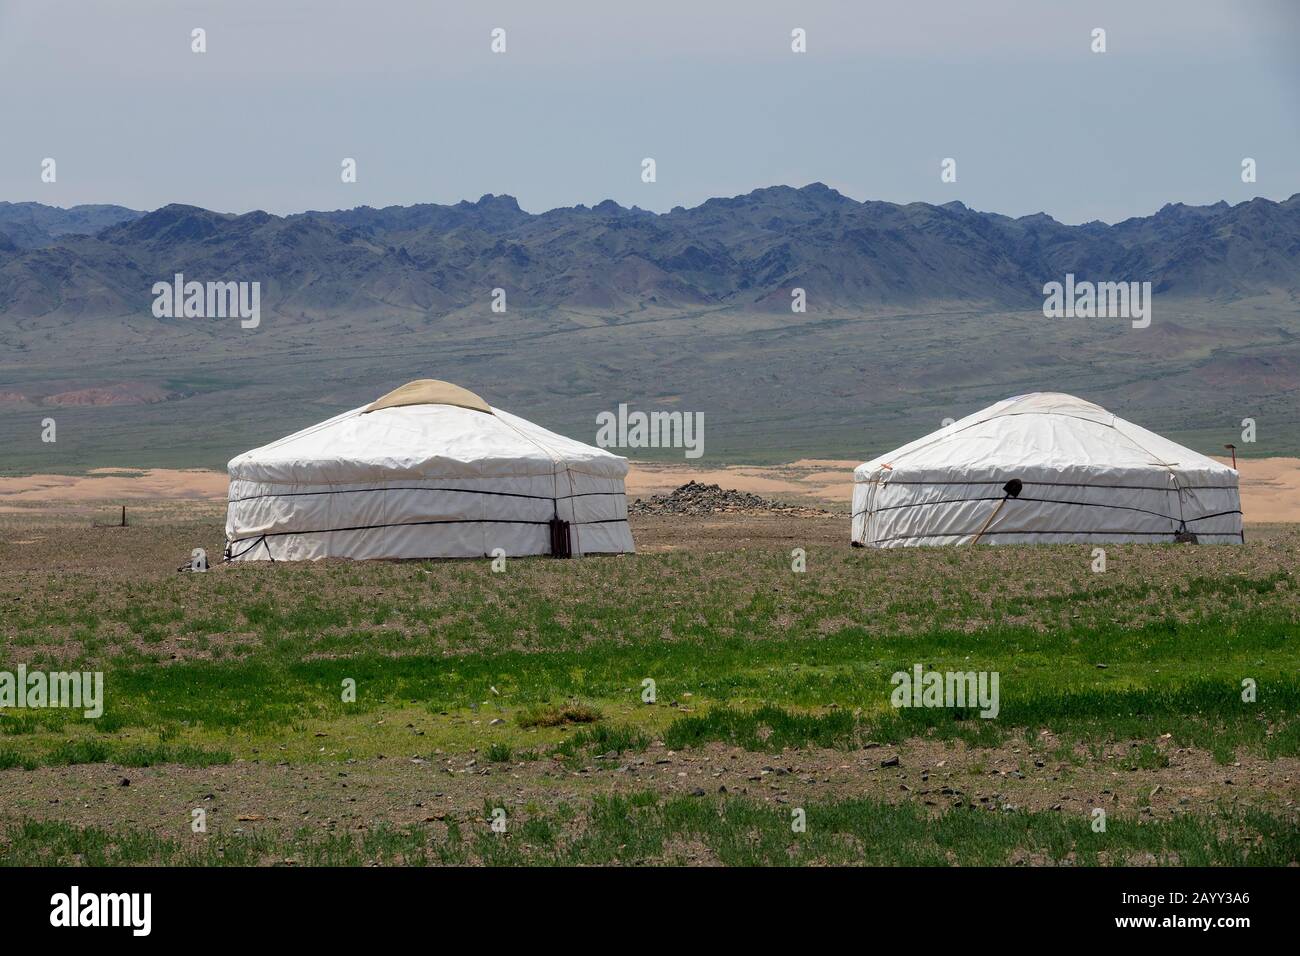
(1043,468)
(429,470)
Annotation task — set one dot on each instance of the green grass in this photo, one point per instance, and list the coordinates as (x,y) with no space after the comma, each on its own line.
(601,741)
(80,751)
(1145,757)
(765,728)
(446,609)
(1182,678)
(645,829)
(557,716)
(1205,716)
(547,663)
(1157,669)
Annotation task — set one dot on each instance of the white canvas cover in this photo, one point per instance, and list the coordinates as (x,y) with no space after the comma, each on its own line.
(423,481)
(1087,476)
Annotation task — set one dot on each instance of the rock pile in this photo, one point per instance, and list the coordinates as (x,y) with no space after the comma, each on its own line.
(694,499)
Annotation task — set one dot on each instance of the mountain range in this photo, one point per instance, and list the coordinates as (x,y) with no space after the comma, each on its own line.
(748,251)
(914,313)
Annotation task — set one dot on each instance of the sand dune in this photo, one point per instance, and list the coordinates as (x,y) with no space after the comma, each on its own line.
(66,492)
(1270,487)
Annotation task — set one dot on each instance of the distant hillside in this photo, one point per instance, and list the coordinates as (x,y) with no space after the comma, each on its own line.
(31,225)
(915,313)
(748,251)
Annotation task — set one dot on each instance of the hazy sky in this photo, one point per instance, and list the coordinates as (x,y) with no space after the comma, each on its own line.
(709,88)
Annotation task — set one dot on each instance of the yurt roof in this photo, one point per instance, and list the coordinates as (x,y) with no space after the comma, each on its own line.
(430,391)
(425,429)
(1045,432)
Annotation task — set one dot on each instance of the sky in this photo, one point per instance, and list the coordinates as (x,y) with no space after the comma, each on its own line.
(710,89)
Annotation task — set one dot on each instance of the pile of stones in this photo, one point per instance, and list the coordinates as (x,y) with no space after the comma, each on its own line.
(696,500)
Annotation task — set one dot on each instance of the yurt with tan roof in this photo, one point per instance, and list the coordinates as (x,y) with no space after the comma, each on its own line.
(429,470)
(1043,468)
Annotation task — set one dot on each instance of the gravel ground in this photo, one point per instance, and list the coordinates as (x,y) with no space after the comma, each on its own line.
(401,790)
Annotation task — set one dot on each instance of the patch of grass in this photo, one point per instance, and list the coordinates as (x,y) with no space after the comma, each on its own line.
(1181,678)
(499,753)
(764,728)
(1204,717)
(186,756)
(81,751)
(734,831)
(30,723)
(1145,757)
(600,741)
(557,716)
(11,758)
(55,843)
(77,751)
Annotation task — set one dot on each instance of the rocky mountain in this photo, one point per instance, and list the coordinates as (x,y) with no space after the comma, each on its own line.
(32,225)
(915,313)
(748,251)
